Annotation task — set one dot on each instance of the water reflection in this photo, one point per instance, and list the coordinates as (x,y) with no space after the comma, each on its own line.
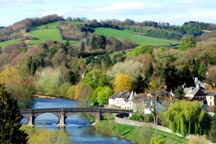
(78,128)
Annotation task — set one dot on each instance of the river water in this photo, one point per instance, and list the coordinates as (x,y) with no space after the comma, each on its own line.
(79,129)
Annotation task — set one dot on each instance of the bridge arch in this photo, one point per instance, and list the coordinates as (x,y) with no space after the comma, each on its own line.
(63,113)
(45,116)
(97,116)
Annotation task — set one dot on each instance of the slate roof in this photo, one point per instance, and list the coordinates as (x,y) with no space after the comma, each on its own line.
(125,95)
(191,90)
(210,93)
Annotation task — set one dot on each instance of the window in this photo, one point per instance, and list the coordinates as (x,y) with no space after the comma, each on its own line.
(210,97)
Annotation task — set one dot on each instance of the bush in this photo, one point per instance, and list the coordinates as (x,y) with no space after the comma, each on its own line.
(155,140)
(148,118)
(142,49)
(137,117)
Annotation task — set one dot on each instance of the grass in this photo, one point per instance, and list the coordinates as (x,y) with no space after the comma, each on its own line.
(42,35)
(52,25)
(45,32)
(9,42)
(73,22)
(108,126)
(134,37)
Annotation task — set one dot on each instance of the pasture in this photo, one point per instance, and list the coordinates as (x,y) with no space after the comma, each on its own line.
(134,37)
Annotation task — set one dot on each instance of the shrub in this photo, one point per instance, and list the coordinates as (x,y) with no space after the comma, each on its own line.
(137,117)
(142,49)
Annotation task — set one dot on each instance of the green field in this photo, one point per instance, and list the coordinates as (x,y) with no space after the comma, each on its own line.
(40,36)
(134,37)
(9,42)
(45,32)
(73,22)
(52,25)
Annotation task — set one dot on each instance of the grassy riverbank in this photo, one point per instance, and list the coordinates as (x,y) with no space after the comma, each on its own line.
(45,136)
(135,134)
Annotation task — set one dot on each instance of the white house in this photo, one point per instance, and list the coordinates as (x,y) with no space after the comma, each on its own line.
(123,100)
(211,98)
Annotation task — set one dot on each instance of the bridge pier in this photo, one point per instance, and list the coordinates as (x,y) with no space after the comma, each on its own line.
(31,121)
(62,120)
(98,117)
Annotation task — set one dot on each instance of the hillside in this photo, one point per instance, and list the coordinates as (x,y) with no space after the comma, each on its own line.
(35,31)
(134,37)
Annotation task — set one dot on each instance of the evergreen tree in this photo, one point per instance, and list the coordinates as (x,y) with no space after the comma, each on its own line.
(140,85)
(10,132)
(171,76)
(179,93)
(101,42)
(82,47)
(212,133)
(93,43)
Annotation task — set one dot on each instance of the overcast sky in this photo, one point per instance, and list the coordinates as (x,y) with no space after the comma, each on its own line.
(172,11)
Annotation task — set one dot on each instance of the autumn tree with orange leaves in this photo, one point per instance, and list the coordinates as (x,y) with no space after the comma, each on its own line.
(122,82)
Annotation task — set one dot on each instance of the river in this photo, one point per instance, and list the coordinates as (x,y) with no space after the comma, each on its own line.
(79,129)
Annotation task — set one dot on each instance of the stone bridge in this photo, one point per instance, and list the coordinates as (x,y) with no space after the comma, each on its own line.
(63,113)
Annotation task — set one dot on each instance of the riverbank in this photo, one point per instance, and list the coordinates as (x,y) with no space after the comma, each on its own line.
(47,96)
(137,134)
(78,127)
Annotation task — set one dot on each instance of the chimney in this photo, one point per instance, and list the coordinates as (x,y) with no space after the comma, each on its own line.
(183,86)
(198,86)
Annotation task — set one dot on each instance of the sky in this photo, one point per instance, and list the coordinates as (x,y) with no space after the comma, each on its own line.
(175,12)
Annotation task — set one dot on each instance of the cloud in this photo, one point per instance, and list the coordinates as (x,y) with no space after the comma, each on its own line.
(205,16)
(118,8)
(58,12)
(10,1)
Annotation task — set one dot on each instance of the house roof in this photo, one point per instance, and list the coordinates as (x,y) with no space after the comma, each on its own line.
(210,93)
(193,91)
(125,95)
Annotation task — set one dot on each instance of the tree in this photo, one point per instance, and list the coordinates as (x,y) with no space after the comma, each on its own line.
(39,136)
(10,125)
(122,82)
(211,76)
(187,117)
(82,46)
(21,88)
(96,78)
(140,85)
(171,76)
(71,77)
(179,93)
(50,80)
(212,132)
(131,68)
(93,43)
(142,49)
(188,42)
(84,95)
(101,95)
(101,42)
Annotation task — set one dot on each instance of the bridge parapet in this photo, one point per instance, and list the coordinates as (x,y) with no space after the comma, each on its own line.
(63,113)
